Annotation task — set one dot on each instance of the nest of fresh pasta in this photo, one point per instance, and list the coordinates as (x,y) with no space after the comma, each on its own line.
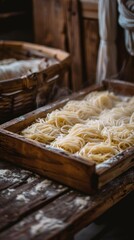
(95,128)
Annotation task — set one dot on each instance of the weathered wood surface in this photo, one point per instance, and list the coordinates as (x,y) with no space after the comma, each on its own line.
(17,201)
(119,87)
(12,179)
(50,29)
(127,70)
(91,44)
(114,167)
(89,9)
(42,209)
(76,21)
(87,51)
(52,24)
(75,43)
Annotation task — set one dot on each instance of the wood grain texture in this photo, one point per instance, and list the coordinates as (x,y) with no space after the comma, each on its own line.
(115,166)
(50,29)
(119,87)
(89,9)
(76,22)
(18,201)
(75,43)
(52,24)
(12,179)
(84,31)
(70,212)
(91,45)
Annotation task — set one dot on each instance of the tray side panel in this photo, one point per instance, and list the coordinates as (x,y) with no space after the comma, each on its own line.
(119,87)
(115,166)
(60,167)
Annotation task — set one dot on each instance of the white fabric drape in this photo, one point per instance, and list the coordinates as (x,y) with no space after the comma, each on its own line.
(107,55)
(126,20)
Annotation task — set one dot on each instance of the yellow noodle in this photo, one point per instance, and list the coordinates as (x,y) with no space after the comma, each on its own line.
(83,109)
(96,128)
(102,99)
(70,144)
(90,133)
(60,118)
(97,152)
(41,132)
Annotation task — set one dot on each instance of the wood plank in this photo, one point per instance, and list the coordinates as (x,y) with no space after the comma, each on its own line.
(115,166)
(49,28)
(12,176)
(119,87)
(75,43)
(127,70)
(112,224)
(91,45)
(89,9)
(16,202)
(70,213)
(69,17)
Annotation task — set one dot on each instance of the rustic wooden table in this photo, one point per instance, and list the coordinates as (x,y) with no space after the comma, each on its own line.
(34,207)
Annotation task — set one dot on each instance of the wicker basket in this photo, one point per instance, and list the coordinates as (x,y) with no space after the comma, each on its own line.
(23,94)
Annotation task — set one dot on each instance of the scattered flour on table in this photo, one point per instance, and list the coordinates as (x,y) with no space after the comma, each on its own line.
(43,185)
(81,202)
(21,197)
(7,192)
(31,179)
(9,175)
(43,223)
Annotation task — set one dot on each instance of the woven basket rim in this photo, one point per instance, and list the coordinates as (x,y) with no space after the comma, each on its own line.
(65,57)
(61,55)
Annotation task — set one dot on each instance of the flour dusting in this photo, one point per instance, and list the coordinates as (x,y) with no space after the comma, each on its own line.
(43,185)
(21,197)
(4,172)
(43,223)
(7,192)
(11,176)
(81,202)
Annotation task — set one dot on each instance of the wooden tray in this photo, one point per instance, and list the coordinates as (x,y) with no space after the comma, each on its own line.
(58,165)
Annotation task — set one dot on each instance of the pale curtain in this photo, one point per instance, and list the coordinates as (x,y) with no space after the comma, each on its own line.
(126,20)
(107,55)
